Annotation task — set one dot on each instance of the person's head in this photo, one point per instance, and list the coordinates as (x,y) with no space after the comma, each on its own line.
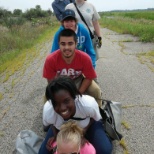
(69,20)
(69,138)
(62,92)
(67,42)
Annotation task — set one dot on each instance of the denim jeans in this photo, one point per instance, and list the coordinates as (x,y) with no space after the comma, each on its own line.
(95,135)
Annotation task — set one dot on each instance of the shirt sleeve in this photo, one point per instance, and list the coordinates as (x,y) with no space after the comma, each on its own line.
(49,71)
(56,11)
(96,16)
(88,70)
(48,114)
(92,108)
(55,44)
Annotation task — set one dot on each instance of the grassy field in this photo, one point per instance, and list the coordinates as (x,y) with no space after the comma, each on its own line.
(18,42)
(19,46)
(137,23)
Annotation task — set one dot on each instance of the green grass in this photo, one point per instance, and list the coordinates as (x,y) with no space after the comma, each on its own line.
(25,51)
(140,23)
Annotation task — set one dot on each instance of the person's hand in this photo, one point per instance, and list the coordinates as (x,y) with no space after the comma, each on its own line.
(99,42)
(50,142)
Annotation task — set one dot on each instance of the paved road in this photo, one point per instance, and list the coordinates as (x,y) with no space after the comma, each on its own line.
(121,76)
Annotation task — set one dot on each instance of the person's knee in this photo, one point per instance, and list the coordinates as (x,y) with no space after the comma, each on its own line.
(95,91)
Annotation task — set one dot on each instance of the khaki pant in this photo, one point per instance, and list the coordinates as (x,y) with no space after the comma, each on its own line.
(93,90)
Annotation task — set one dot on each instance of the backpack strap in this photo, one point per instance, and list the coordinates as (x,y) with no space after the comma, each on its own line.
(91,34)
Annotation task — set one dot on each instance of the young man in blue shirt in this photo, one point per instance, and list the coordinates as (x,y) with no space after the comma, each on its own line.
(84,42)
(59,7)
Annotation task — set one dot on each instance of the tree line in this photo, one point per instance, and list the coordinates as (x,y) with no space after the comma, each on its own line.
(17,17)
(36,12)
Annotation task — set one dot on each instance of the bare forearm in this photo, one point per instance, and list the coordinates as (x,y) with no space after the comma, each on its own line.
(84,86)
(97,28)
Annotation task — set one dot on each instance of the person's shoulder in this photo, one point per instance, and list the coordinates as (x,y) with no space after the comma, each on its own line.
(47,107)
(88,98)
(82,26)
(88,148)
(53,3)
(87,101)
(82,55)
(70,5)
(53,55)
(59,30)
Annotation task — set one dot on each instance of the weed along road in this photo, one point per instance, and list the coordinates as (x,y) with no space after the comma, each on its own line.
(125,75)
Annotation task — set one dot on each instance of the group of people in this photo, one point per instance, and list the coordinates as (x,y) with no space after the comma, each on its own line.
(71,114)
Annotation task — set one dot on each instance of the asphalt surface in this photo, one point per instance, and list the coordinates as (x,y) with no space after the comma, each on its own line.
(122,77)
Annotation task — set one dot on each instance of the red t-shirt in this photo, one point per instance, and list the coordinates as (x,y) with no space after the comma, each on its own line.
(81,64)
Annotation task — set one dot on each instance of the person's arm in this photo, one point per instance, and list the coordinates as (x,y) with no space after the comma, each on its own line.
(51,140)
(84,85)
(55,43)
(57,12)
(97,28)
(90,123)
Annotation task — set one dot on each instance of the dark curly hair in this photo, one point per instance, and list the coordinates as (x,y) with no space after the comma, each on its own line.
(61,83)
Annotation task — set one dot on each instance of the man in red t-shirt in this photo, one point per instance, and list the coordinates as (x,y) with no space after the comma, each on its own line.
(74,63)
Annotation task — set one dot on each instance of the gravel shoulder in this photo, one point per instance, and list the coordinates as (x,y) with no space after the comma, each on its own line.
(122,78)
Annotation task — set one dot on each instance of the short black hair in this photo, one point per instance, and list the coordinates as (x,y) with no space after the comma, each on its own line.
(68,33)
(61,83)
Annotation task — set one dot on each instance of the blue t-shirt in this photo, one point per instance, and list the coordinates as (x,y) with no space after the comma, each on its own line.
(84,42)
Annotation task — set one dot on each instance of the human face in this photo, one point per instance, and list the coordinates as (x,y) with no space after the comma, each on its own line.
(69,24)
(71,149)
(64,104)
(67,46)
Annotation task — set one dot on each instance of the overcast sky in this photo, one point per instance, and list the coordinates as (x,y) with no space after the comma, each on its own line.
(101,5)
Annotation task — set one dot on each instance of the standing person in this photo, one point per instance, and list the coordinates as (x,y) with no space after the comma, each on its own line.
(91,17)
(84,42)
(59,6)
(68,61)
(72,137)
(64,103)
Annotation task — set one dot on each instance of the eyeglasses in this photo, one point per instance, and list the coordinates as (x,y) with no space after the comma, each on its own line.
(68,153)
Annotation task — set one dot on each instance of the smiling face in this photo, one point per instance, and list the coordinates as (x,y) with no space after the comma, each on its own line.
(67,46)
(70,24)
(64,104)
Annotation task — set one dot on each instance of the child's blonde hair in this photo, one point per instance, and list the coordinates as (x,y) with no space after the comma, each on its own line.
(70,132)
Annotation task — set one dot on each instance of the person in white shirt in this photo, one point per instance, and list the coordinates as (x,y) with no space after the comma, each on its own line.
(64,103)
(91,17)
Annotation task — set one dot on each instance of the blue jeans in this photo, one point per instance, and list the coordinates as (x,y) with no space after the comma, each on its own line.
(95,135)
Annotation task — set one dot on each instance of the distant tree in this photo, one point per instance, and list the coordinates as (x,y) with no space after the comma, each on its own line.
(5,13)
(38,7)
(17,12)
(49,12)
(29,14)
